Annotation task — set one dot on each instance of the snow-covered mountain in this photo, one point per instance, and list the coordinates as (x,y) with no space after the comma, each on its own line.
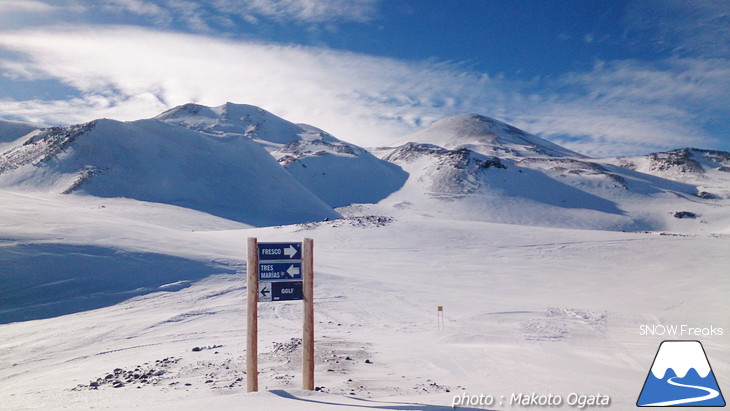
(338,172)
(708,169)
(686,164)
(149,160)
(244,163)
(475,168)
(487,136)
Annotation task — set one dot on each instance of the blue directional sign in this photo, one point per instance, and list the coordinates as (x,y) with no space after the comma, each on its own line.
(280,271)
(276,271)
(280,291)
(280,251)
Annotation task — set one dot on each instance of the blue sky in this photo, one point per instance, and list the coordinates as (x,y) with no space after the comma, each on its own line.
(600,77)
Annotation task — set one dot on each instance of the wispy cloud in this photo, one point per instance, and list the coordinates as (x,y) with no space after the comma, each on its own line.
(305,10)
(626,106)
(365,98)
(605,132)
(621,107)
(635,105)
(208,16)
(690,28)
(26,6)
(143,8)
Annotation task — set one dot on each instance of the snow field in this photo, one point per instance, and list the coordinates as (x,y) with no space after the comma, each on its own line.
(527,309)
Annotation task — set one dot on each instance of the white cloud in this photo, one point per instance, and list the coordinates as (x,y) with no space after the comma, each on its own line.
(584,128)
(129,73)
(25,6)
(631,106)
(138,7)
(365,98)
(309,10)
(702,82)
(204,15)
(80,110)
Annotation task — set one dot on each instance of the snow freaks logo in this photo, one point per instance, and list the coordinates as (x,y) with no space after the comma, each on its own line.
(680,376)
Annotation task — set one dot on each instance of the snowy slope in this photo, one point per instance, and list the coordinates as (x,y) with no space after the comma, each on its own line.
(474,168)
(150,160)
(338,172)
(526,310)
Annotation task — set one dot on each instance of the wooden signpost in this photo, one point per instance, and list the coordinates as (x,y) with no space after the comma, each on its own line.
(279,272)
(308,327)
(252,332)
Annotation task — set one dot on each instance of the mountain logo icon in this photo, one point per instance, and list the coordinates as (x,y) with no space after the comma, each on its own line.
(680,376)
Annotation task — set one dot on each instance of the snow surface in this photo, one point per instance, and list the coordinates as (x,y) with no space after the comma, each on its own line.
(526,309)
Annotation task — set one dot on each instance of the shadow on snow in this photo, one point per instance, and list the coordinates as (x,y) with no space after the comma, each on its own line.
(48,280)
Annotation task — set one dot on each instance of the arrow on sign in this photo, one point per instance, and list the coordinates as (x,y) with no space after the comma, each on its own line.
(292,271)
(290,251)
(265,291)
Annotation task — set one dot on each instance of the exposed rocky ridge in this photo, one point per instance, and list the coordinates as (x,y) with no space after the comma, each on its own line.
(42,147)
(301,148)
(454,172)
(676,163)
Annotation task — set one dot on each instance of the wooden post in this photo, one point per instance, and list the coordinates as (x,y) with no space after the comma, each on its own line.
(308,297)
(252,299)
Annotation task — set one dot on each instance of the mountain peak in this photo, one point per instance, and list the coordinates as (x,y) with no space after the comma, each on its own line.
(231,118)
(187,110)
(486,135)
